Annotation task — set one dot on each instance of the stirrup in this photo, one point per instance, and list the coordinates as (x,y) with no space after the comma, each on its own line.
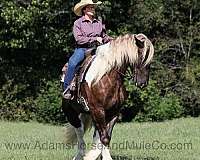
(66,94)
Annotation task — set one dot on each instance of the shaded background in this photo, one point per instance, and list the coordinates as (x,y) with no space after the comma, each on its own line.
(36,40)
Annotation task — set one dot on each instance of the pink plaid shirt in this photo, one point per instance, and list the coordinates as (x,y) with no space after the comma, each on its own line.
(87,32)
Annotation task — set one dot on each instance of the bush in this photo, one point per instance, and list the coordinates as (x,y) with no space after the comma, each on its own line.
(151,105)
(45,108)
(14,106)
(48,104)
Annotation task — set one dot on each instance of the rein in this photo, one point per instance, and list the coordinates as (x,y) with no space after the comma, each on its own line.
(123,74)
(120,73)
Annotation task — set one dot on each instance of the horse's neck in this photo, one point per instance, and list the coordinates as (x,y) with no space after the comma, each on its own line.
(121,71)
(123,68)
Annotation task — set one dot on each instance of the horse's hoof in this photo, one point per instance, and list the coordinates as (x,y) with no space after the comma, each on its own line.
(78,157)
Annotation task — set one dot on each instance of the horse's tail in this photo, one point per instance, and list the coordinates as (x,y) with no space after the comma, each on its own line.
(69,130)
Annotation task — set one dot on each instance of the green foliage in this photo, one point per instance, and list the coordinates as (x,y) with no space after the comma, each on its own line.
(45,108)
(48,104)
(13,105)
(36,40)
(152,105)
(36,26)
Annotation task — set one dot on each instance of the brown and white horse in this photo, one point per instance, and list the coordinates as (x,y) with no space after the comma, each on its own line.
(104,91)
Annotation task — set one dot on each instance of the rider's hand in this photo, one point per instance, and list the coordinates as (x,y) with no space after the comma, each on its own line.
(100,40)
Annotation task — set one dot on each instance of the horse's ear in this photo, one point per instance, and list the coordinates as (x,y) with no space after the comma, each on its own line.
(139,40)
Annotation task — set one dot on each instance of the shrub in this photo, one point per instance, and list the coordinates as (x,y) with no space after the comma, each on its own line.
(151,105)
(14,106)
(48,104)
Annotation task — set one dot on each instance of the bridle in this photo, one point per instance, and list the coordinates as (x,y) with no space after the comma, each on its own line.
(128,73)
(136,67)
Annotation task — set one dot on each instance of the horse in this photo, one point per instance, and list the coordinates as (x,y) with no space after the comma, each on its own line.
(104,92)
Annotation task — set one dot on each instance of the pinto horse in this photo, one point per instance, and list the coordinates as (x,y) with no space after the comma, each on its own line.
(104,91)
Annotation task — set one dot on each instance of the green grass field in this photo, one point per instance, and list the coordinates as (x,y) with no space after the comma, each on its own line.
(172,140)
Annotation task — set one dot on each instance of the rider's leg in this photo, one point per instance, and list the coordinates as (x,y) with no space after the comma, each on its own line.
(74,60)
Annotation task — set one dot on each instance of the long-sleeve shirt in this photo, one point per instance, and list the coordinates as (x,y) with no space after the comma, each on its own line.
(86,32)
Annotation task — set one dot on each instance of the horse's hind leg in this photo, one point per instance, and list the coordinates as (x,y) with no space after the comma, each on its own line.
(74,120)
(81,143)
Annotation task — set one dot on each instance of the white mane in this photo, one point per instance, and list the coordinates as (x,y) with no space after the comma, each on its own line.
(110,55)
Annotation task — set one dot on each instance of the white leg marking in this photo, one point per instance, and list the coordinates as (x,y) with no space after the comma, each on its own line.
(106,153)
(96,148)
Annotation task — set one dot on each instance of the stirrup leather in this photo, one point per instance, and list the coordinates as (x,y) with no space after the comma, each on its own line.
(83,102)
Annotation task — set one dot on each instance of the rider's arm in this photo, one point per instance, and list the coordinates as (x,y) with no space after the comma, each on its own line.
(104,36)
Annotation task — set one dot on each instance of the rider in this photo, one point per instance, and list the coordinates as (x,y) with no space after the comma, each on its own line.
(87,30)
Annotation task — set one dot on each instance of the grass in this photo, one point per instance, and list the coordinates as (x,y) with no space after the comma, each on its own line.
(172,140)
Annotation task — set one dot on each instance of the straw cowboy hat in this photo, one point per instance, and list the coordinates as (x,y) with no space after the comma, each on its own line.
(79,6)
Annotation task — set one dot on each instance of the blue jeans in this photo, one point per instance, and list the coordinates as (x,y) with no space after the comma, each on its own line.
(74,60)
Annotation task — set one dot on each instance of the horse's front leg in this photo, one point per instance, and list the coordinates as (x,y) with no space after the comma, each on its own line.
(96,150)
(103,133)
(99,147)
(105,151)
(101,137)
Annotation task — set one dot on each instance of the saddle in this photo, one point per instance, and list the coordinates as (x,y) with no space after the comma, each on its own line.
(79,76)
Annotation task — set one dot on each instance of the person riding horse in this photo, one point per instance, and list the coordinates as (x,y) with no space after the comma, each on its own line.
(104,92)
(103,88)
(87,30)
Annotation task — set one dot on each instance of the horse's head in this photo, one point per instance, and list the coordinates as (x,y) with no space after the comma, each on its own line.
(133,50)
(142,65)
